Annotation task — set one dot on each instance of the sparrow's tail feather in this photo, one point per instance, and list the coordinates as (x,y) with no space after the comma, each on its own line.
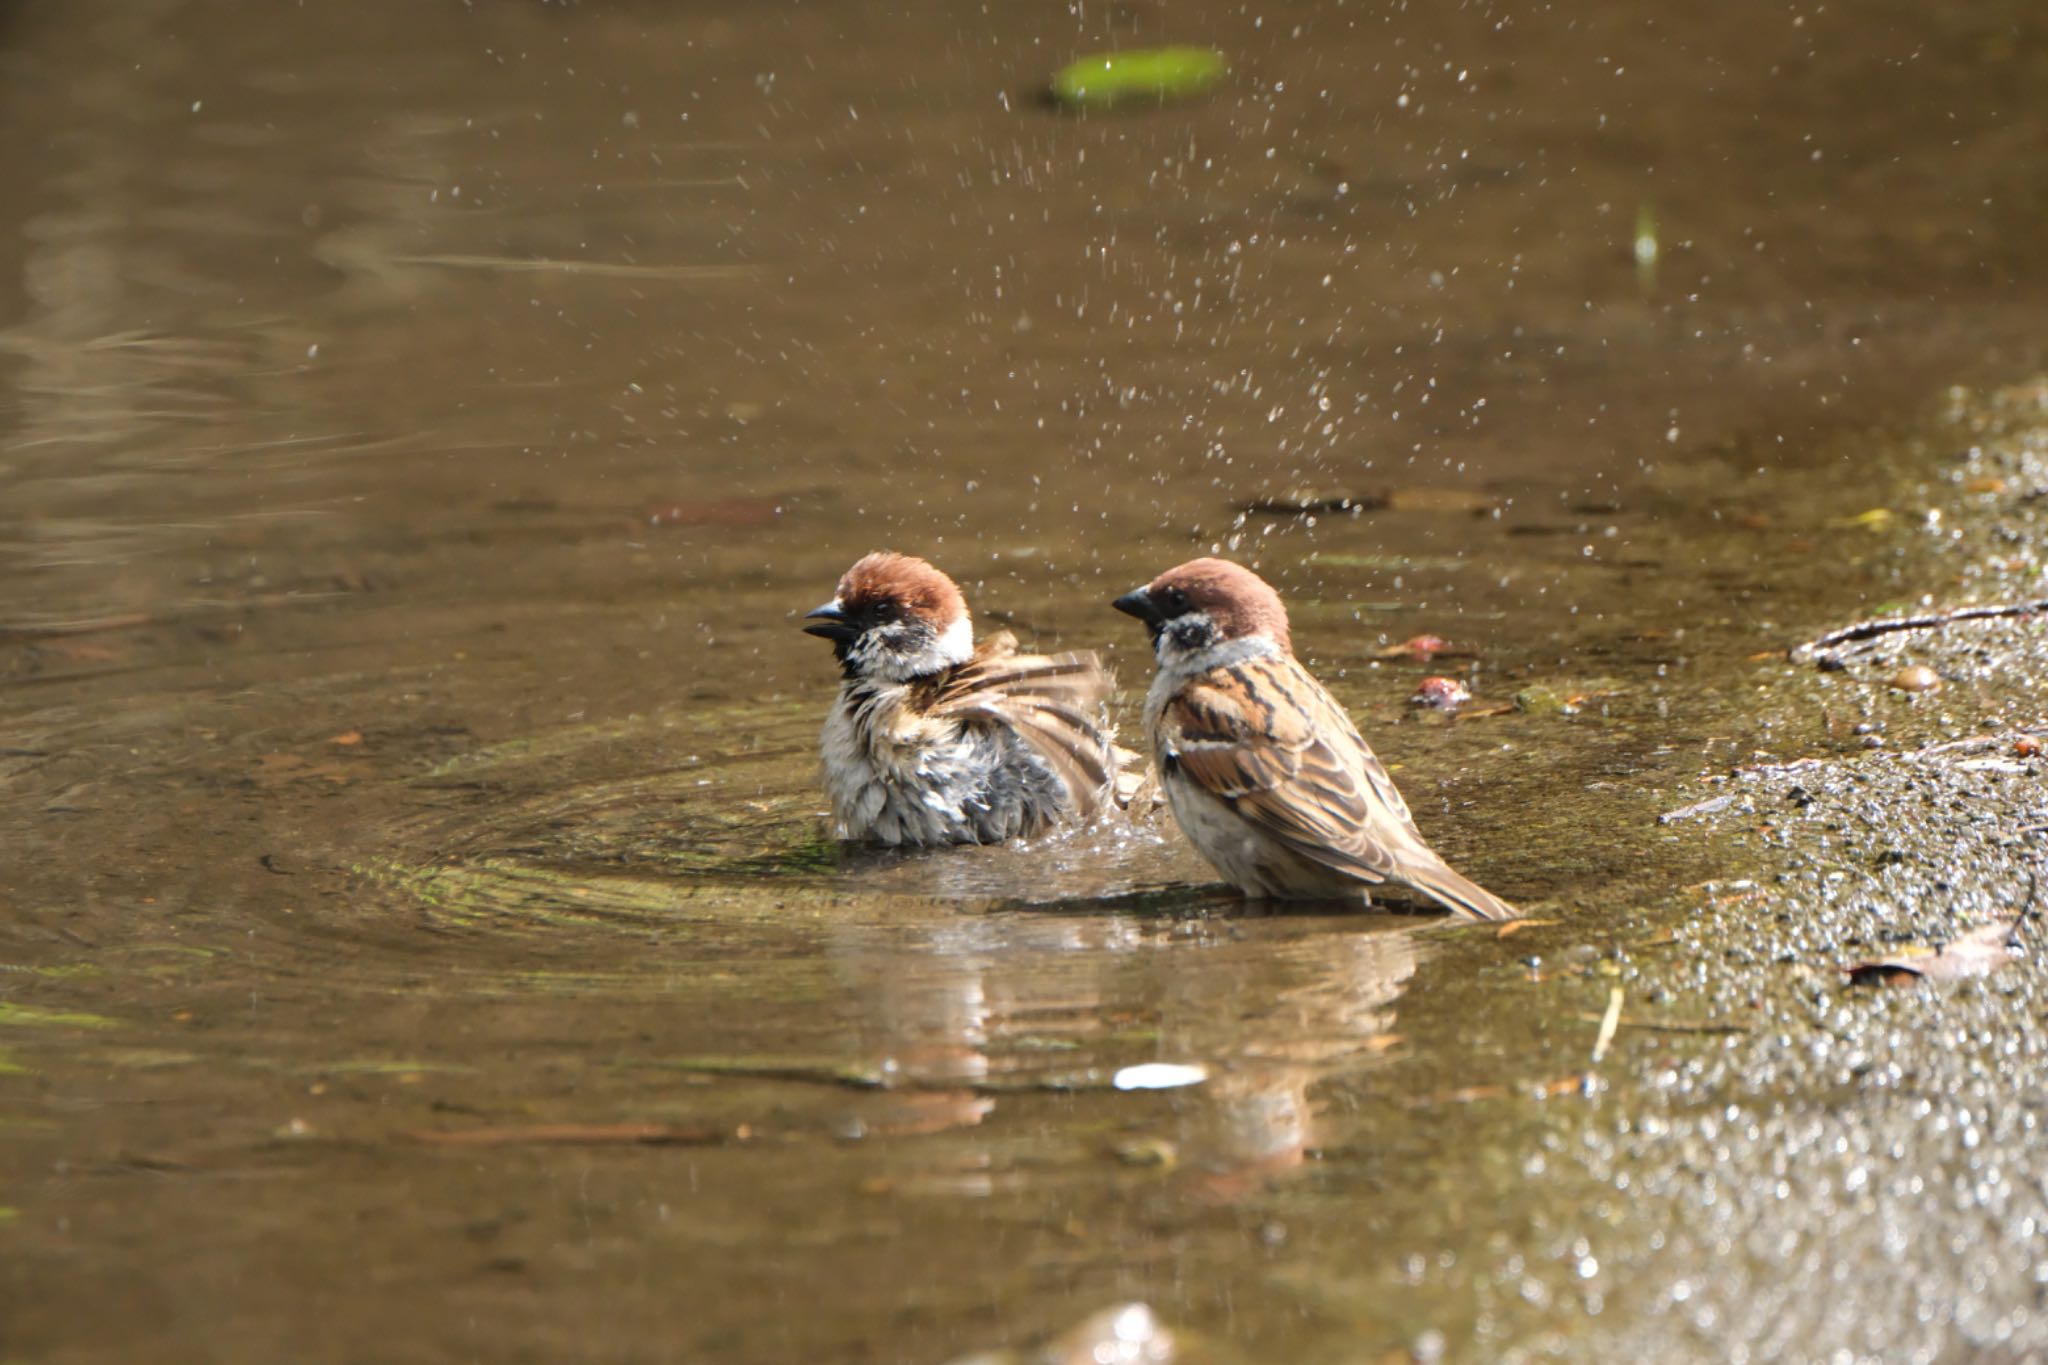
(1068,739)
(1457,894)
(1054,702)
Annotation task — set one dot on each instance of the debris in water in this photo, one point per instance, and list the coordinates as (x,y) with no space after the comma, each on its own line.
(1441,694)
(1299,502)
(1828,651)
(577,1134)
(1539,700)
(1706,807)
(1876,519)
(1980,952)
(1608,1023)
(1155,75)
(1915,678)
(12,631)
(1159,1076)
(1146,1151)
(1645,247)
(1420,647)
(2025,744)
(275,769)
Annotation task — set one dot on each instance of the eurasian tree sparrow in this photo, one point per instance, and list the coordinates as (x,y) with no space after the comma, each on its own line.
(934,740)
(1266,774)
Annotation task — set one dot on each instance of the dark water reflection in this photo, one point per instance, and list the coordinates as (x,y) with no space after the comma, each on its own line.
(418,425)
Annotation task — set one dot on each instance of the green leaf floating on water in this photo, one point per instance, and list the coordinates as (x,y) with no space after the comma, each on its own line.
(1151,75)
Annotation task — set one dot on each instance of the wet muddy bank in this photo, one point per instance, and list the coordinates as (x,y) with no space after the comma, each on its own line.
(1844,1138)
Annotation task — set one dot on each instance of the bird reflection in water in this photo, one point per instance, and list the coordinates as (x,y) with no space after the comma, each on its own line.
(989,1012)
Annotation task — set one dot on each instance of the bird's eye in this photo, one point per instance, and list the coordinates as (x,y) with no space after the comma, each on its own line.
(885,611)
(1176,601)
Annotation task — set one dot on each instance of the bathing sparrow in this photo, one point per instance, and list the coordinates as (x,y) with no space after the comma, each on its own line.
(935,740)
(1266,774)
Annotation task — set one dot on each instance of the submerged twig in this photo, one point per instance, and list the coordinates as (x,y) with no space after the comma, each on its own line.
(1706,807)
(1670,1025)
(2033,732)
(607,269)
(50,630)
(575,1134)
(766,1069)
(1827,650)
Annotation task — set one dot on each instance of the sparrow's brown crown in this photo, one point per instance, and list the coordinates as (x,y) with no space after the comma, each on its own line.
(914,586)
(1238,601)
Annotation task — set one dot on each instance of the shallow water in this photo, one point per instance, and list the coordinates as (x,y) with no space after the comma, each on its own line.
(421,427)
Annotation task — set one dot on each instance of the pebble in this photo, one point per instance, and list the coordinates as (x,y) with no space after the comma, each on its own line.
(1916,678)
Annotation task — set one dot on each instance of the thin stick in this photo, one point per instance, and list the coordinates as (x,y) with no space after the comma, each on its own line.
(1825,650)
(605,269)
(1979,741)
(1608,1024)
(1670,1026)
(570,1134)
(50,630)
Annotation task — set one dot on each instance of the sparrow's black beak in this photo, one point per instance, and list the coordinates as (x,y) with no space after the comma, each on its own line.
(1138,602)
(829,622)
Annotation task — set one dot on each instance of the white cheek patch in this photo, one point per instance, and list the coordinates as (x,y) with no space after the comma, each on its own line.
(956,642)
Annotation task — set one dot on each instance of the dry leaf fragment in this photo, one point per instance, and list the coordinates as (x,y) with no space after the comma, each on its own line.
(272,769)
(1423,647)
(1979,952)
(1440,694)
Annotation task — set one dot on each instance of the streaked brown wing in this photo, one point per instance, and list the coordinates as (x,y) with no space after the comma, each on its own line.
(1053,701)
(1266,738)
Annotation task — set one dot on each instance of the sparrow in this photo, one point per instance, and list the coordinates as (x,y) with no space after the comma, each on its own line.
(936,740)
(1268,777)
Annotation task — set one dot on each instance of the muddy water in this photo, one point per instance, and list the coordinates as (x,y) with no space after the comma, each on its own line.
(420,425)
